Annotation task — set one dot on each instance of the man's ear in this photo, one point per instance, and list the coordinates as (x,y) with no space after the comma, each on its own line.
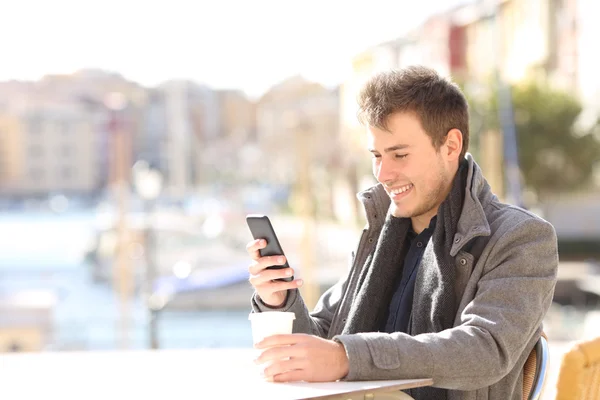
(453,145)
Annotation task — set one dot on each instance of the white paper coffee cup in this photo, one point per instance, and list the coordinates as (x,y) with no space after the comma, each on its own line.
(268,323)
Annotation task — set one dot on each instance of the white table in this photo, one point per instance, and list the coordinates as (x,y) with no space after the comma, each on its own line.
(163,375)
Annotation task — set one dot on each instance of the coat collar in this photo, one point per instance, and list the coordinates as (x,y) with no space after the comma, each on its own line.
(472,222)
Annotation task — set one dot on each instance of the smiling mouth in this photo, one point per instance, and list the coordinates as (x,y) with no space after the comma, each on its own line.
(401,190)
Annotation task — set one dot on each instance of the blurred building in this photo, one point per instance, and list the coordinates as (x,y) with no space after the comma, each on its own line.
(439,43)
(196,135)
(236,142)
(298,122)
(564,30)
(588,62)
(182,145)
(53,151)
(92,88)
(494,33)
(59,132)
(179,123)
(294,102)
(11,162)
(205,125)
(516,20)
(151,144)
(237,114)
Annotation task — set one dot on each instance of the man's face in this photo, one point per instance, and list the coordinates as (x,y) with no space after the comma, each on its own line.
(415,175)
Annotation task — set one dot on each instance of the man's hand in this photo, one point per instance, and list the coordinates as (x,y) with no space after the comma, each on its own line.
(300,357)
(271,292)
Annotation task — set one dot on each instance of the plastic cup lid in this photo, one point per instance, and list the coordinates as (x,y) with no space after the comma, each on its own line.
(272,314)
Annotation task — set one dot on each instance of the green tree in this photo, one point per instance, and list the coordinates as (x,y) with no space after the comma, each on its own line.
(555,155)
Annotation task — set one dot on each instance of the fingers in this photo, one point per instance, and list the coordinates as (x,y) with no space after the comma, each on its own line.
(289,347)
(266,285)
(267,275)
(254,246)
(274,293)
(290,376)
(268,282)
(261,263)
(285,370)
(279,340)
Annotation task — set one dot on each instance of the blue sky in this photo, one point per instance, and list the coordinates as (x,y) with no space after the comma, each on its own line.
(248,44)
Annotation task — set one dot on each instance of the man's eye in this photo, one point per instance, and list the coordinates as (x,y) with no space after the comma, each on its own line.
(376,156)
(400,156)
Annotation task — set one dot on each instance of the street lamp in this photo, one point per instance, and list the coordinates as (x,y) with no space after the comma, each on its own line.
(118,144)
(116,104)
(148,185)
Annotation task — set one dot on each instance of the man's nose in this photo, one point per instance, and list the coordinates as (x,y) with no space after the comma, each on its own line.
(385,173)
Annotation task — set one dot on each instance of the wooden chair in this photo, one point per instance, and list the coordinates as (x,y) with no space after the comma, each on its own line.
(535,369)
(579,375)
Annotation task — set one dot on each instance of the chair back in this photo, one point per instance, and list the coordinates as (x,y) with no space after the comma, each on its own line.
(535,369)
(579,375)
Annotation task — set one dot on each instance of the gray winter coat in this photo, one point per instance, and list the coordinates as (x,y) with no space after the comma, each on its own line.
(506,262)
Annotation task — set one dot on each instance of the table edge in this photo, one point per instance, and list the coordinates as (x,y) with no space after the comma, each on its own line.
(415,383)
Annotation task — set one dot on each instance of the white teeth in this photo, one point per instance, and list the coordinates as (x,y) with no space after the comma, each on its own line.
(402,189)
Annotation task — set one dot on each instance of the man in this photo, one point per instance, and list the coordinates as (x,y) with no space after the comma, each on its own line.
(446,281)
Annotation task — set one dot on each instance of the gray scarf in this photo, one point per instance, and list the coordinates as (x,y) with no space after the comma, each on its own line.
(434,307)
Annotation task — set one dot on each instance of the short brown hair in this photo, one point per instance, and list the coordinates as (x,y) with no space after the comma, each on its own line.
(438,102)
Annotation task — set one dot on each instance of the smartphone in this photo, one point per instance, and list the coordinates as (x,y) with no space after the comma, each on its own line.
(261,228)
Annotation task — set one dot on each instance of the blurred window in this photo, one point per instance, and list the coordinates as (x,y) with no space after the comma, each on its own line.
(35,150)
(36,174)
(67,173)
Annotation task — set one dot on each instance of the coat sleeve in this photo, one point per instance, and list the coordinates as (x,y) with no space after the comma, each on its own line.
(316,322)
(511,299)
